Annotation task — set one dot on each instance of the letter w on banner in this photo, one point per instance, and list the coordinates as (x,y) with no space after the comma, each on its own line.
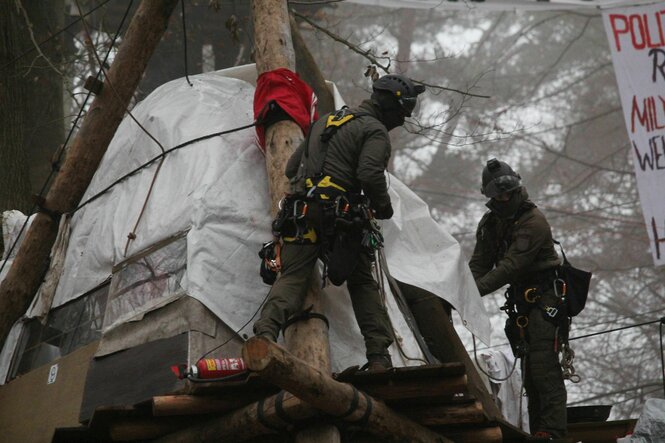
(637,41)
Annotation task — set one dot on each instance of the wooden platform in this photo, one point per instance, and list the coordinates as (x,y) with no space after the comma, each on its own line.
(435,396)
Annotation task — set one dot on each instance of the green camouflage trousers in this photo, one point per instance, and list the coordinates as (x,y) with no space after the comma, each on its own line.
(543,379)
(287,295)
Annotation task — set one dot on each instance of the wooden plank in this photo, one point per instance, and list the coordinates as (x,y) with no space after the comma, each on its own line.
(435,324)
(148,428)
(442,370)
(170,405)
(416,389)
(448,415)
(474,434)
(600,432)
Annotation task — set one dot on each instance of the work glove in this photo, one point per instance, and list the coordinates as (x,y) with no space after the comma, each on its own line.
(384,212)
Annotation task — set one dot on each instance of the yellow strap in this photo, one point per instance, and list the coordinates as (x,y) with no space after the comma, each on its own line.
(333,122)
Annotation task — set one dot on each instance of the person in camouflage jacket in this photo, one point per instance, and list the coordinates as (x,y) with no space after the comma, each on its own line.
(514,246)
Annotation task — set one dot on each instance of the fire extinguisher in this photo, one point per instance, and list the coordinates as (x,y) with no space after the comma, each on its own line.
(211,368)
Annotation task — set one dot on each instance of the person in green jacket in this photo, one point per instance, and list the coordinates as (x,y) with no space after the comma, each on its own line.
(514,246)
(338,167)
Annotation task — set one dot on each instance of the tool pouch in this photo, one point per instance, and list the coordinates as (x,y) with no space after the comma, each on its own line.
(517,344)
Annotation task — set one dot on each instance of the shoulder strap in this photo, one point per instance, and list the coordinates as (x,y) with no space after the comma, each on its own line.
(333,123)
(565,260)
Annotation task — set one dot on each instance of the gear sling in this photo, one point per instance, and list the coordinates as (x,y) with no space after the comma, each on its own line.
(320,211)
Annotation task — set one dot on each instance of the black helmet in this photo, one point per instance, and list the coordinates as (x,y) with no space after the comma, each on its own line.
(402,89)
(498,178)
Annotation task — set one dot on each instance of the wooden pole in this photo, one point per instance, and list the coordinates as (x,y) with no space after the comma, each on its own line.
(274,49)
(97,130)
(330,396)
(273,414)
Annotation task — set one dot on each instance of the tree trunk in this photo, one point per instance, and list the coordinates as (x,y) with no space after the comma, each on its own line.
(14,174)
(274,49)
(97,130)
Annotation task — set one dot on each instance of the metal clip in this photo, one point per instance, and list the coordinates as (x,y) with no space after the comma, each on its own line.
(564,287)
(522,321)
(551,311)
(528,298)
(299,209)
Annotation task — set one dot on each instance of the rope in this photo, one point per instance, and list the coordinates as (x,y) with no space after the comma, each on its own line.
(475,356)
(74,124)
(237,332)
(158,157)
(381,263)
(184,39)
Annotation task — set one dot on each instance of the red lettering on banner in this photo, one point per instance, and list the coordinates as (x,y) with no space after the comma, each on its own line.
(649,114)
(646,31)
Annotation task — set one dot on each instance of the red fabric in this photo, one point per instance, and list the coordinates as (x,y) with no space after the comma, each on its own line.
(292,94)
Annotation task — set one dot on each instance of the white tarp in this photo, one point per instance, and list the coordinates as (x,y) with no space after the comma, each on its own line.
(217,189)
(637,41)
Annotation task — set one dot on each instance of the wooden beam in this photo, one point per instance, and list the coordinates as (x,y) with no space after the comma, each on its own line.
(330,396)
(437,327)
(475,434)
(447,414)
(89,145)
(278,413)
(274,49)
(168,405)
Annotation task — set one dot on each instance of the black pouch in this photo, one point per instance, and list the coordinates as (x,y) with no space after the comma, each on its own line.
(267,253)
(577,285)
(342,258)
(577,282)
(517,344)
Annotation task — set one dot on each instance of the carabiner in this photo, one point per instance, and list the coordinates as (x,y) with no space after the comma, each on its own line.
(564,287)
(526,295)
(522,321)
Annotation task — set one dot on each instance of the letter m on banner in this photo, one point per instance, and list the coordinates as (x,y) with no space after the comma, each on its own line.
(637,41)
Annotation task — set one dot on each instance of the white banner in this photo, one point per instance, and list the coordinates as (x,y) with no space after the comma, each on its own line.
(637,41)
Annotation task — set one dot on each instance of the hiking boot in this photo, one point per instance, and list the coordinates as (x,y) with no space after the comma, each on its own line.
(378,363)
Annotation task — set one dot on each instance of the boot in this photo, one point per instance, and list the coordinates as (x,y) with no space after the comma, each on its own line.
(378,363)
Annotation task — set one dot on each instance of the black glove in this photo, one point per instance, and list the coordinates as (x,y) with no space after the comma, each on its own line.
(384,212)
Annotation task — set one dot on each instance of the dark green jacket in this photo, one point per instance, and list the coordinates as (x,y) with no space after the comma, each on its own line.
(357,155)
(511,251)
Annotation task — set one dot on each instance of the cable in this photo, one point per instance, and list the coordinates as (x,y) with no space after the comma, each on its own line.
(237,332)
(163,154)
(71,130)
(475,356)
(184,39)
(52,36)
(595,333)
(108,81)
(614,330)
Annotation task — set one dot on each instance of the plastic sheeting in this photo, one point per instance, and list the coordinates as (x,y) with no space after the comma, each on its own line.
(217,189)
(650,427)
(508,393)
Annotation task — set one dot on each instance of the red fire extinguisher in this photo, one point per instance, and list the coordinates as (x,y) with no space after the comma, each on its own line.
(211,368)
